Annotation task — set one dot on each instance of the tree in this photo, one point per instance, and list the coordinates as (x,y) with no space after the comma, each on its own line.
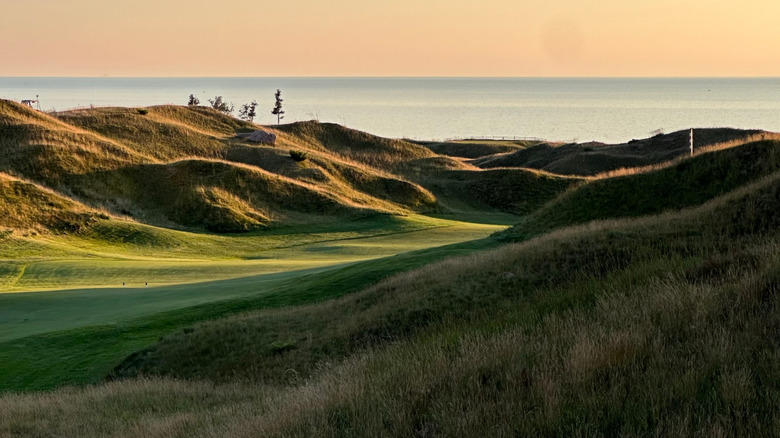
(278,107)
(193,100)
(221,106)
(247,111)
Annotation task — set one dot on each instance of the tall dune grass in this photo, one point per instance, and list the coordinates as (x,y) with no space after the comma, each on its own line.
(662,326)
(626,171)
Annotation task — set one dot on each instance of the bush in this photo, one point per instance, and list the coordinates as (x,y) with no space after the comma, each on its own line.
(298,155)
(218,104)
(143,111)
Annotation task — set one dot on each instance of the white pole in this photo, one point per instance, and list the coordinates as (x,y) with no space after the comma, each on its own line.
(691,142)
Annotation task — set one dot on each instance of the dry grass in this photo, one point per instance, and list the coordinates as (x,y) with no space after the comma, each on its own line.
(660,326)
(684,183)
(472,149)
(512,190)
(29,208)
(627,171)
(411,301)
(116,159)
(357,146)
(664,325)
(599,159)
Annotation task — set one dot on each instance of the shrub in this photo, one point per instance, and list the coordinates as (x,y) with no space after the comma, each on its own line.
(298,155)
(218,104)
(142,111)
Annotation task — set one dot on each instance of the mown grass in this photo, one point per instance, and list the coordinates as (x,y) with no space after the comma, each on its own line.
(663,325)
(110,253)
(78,337)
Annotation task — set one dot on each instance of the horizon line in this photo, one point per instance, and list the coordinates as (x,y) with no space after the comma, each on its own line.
(386,77)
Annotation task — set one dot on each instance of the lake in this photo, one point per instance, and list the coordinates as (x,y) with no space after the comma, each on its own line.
(565,109)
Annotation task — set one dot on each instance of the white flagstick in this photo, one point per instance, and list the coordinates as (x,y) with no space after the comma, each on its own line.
(691,142)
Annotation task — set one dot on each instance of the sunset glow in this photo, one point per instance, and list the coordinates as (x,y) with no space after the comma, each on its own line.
(383,38)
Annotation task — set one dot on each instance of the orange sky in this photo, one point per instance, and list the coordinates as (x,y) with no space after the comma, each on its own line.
(390,38)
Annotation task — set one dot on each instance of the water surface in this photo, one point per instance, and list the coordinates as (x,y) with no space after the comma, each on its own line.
(605,109)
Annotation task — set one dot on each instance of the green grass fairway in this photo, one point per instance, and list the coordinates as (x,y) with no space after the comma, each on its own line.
(25,314)
(79,333)
(175,257)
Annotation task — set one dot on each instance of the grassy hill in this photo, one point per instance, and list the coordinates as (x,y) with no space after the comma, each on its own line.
(704,240)
(640,299)
(476,148)
(516,191)
(686,183)
(361,147)
(594,158)
(661,325)
(28,207)
(182,167)
(43,149)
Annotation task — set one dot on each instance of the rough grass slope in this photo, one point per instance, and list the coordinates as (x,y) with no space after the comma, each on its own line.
(689,182)
(590,159)
(662,325)
(29,208)
(130,163)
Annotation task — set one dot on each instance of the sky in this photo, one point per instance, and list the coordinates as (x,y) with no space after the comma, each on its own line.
(545,38)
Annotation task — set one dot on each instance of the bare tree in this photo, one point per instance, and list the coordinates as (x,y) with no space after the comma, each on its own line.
(247,111)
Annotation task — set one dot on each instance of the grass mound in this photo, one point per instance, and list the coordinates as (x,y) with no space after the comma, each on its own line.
(43,149)
(474,148)
(219,195)
(626,327)
(378,152)
(165,133)
(594,158)
(145,167)
(516,191)
(690,182)
(28,207)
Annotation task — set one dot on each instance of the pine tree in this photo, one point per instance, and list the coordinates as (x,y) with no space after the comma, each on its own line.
(277,111)
(193,100)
